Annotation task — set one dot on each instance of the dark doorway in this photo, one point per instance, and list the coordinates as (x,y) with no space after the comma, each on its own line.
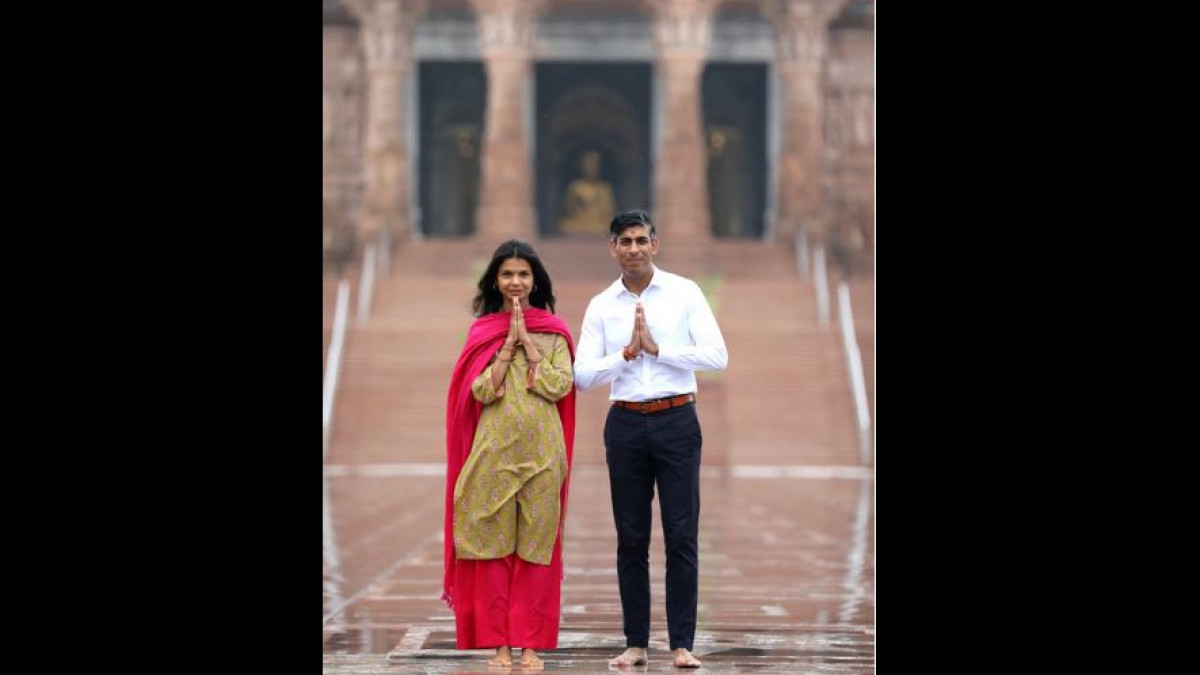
(593,144)
(735,121)
(453,96)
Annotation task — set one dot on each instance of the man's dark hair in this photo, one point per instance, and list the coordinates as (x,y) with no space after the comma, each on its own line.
(627,219)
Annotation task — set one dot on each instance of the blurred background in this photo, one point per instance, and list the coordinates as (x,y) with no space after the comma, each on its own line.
(747,129)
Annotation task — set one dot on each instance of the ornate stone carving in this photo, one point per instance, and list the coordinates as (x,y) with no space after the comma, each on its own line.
(801,29)
(682,27)
(682,34)
(507,33)
(386,27)
(801,49)
(507,27)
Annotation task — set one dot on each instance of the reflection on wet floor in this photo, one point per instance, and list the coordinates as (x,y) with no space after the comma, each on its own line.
(786,577)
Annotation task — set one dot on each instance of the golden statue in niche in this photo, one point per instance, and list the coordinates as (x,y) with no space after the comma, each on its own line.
(588,205)
(727,182)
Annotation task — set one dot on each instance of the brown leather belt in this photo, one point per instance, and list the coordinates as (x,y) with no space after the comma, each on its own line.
(647,407)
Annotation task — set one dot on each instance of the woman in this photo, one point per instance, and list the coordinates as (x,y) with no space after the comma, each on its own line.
(510,431)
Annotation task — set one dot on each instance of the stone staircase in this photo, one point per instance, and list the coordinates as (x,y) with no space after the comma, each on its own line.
(785,398)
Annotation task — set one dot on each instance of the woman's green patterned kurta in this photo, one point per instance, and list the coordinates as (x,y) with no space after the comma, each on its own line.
(507,496)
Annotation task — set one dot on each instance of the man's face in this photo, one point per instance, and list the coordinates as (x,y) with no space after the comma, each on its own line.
(634,249)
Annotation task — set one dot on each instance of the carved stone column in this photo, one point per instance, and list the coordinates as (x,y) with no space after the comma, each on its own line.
(343,95)
(682,33)
(387,29)
(849,148)
(801,44)
(507,30)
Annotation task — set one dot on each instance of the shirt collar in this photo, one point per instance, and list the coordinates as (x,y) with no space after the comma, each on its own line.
(617,287)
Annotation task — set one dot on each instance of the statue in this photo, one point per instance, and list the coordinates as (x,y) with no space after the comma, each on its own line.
(727,169)
(588,205)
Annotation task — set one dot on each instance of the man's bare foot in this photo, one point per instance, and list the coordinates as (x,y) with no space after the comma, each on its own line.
(684,659)
(502,659)
(529,659)
(633,656)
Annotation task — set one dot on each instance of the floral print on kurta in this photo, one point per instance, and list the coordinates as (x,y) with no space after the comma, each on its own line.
(507,496)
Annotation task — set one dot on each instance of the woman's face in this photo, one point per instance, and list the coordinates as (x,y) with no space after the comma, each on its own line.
(515,278)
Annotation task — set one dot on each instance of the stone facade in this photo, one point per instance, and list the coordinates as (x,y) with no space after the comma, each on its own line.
(820,125)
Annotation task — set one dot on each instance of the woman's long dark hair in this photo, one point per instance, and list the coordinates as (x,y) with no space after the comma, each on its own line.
(489,300)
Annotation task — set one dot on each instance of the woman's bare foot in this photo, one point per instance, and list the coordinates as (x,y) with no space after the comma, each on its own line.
(502,659)
(633,656)
(529,659)
(684,659)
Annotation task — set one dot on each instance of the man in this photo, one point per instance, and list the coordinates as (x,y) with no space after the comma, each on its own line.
(646,334)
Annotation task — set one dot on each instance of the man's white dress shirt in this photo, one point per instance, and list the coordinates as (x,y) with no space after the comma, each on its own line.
(680,321)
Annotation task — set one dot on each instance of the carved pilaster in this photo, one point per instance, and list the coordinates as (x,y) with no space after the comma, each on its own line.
(386,27)
(801,49)
(682,35)
(507,31)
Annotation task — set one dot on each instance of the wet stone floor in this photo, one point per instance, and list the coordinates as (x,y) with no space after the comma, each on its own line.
(786,574)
